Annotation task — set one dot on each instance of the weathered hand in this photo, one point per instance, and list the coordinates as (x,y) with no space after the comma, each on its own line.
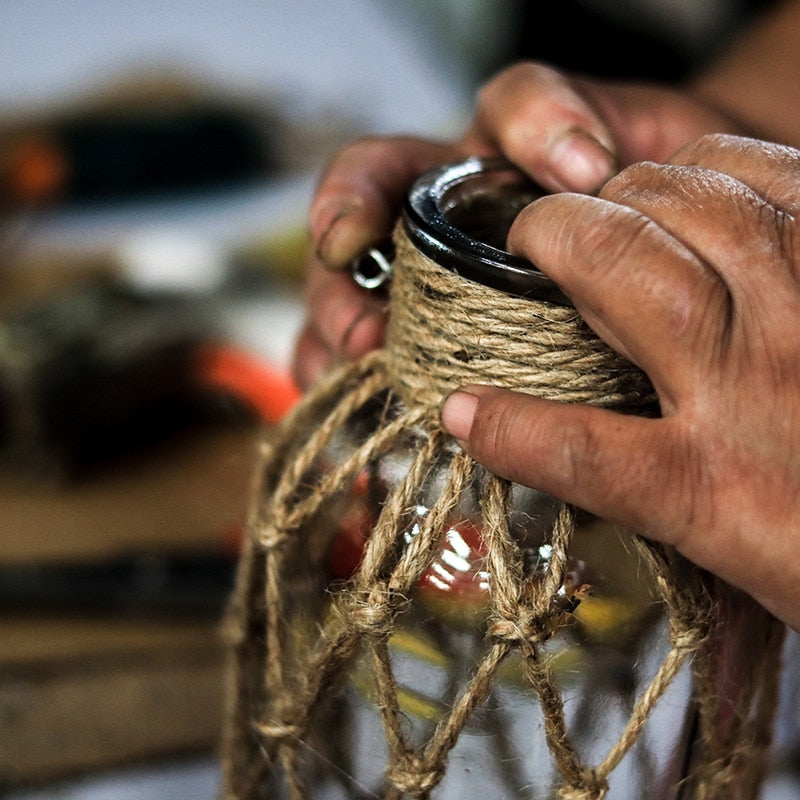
(357,201)
(692,270)
(567,133)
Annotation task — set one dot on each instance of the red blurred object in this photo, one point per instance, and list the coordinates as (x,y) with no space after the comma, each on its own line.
(459,567)
(354,530)
(456,582)
(270,392)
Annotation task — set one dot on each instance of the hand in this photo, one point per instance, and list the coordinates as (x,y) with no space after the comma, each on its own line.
(692,271)
(567,133)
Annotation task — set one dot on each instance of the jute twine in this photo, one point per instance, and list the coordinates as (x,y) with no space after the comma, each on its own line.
(445,332)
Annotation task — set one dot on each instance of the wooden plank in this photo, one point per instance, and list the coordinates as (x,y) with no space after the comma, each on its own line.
(81,694)
(189,496)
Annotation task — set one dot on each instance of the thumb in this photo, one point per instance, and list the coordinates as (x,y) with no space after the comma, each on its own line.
(607,463)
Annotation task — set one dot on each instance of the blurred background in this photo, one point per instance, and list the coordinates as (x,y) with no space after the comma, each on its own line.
(157,160)
(156,164)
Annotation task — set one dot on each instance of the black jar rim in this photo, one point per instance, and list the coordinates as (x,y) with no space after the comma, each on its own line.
(428,222)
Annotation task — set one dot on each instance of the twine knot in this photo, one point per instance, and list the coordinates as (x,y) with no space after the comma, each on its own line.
(726,771)
(686,640)
(270,537)
(372,613)
(279,730)
(525,628)
(589,786)
(411,775)
(688,637)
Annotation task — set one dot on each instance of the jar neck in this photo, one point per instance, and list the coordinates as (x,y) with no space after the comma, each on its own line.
(459,215)
(446,331)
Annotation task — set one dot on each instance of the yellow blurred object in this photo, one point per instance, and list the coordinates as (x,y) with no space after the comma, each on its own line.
(608,619)
(418,646)
(282,255)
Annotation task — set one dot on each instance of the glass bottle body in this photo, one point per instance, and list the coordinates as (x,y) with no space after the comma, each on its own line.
(604,649)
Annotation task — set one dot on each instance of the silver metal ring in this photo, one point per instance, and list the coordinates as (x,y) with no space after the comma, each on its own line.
(372,269)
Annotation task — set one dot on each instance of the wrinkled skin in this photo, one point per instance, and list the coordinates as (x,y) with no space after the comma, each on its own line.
(567,133)
(686,262)
(691,270)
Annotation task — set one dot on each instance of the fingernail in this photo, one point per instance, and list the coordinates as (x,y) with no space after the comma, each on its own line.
(365,332)
(458,414)
(580,162)
(322,224)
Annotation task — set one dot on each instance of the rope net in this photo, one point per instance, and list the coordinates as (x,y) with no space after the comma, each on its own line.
(296,637)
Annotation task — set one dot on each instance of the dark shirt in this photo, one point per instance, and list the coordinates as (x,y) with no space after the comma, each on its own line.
(580,36)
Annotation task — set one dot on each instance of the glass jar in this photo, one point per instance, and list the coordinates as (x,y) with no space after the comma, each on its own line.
(412,625)
(604,647)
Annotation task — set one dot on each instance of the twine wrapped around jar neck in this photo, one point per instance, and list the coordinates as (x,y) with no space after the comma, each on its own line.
(446,331)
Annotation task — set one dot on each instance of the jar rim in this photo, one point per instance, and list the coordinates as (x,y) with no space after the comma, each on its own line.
(427,220)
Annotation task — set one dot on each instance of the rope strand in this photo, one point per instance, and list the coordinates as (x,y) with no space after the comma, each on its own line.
(445,332)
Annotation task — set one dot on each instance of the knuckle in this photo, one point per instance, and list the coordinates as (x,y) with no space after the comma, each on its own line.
(363,150)
(502,428)
(339,161)
(516,74)
(520,104)
(790,240)
(581,453)
(494,426)
(612,246)
(708,149)
(366,149)
(711,143)
(631,181)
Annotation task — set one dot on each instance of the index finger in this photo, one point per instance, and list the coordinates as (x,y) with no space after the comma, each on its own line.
(642,290)
(534,115)
(361,192)
(772,170)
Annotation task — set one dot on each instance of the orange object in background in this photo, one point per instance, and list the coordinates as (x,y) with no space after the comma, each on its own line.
(270,392)
(37,170)
(267,391)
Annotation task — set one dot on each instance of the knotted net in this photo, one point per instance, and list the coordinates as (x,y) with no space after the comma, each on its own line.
(445,332)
